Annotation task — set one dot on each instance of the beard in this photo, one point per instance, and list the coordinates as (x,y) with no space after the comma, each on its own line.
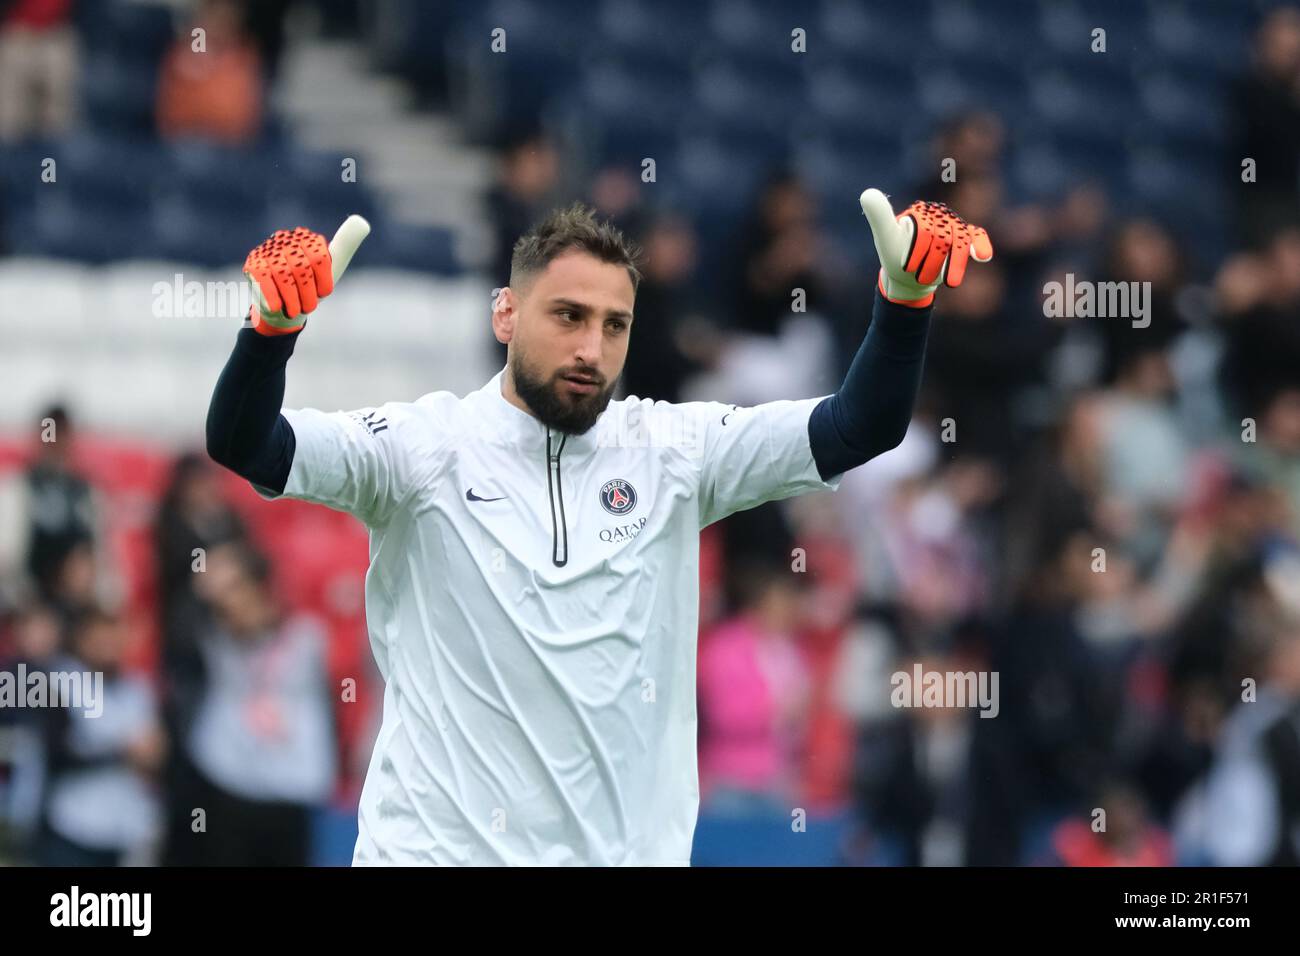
(555,405)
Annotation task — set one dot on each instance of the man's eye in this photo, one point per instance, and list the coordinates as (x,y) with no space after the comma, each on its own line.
(618,325)
(567,314)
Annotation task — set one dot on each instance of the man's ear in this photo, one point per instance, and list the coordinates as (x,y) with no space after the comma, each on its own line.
(504,314)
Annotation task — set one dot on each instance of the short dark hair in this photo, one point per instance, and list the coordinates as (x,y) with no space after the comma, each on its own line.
(575,227)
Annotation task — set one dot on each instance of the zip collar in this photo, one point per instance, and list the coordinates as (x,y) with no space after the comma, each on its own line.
(517,428)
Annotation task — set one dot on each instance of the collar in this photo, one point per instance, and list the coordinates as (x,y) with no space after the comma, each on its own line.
(517,428)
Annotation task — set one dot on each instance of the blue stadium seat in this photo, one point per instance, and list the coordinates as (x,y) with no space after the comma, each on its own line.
(21,166)
(107,171)
(304,185)
(188,231)
(1184,107)
(119,96)
(757,28)
(408,37)
(397,246)
(884,30)
(945,85)
(991,32)
(839,165)
(718,174)
(1065,29)
(1037,170)
(1162,175)
(1202,37)
(1083,97)
(620,114)
(742,98)
(672,30)
(218,174)
(136,31)
(59,227)
(851,103)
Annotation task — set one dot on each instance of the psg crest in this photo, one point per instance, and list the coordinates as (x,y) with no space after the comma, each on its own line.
(617,496)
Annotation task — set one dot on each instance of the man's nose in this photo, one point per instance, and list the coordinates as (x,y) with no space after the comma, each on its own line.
(587,348)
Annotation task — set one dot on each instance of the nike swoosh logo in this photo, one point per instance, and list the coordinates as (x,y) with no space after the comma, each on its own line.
(470,496)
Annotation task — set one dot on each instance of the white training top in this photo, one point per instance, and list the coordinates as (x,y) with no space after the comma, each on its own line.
(533,606)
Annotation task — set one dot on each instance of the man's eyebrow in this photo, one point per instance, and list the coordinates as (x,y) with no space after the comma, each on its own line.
(580,307)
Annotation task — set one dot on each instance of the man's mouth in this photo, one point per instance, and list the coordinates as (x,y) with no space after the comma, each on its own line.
(582,384)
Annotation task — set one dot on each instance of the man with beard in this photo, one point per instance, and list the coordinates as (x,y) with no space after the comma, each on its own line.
(533,594)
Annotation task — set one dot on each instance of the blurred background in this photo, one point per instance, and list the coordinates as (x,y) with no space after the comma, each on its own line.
(1163,689)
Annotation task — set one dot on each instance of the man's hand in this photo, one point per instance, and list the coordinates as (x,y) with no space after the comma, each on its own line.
(925,246)
(293,270)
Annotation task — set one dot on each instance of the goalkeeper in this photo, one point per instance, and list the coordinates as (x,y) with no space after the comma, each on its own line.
(533,594)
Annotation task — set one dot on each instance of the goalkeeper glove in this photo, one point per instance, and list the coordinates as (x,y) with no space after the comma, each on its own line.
(290,273)
(925,246)
(293,270)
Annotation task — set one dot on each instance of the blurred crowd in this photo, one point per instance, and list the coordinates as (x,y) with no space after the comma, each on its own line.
(1103,511)
(219,96)
(1106,515)
(226,726)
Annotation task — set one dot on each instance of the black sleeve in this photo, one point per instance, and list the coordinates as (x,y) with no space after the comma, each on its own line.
(245,430)
(870,412)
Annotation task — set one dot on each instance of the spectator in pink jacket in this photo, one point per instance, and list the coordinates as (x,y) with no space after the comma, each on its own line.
(753,696)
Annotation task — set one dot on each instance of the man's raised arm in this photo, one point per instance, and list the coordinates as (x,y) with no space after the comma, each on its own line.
(245,430)
(290,273)
(928,245)
(784,448)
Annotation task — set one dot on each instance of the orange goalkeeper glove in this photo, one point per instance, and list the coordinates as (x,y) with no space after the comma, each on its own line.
(292,273)
(925,246)
(293,270)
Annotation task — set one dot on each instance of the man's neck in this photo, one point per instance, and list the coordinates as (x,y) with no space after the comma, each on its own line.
(509,393)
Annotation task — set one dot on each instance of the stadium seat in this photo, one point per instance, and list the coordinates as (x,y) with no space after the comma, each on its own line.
(957,83)
(56,226)
(139,30)
(1184,108)
(992,32)
(1066,27)
(397,38)
(423,249)
(672,32)
(92,166)
(232,176)
(1207,38)
(742,97)
(877,33)
(119,96)
(624,114)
